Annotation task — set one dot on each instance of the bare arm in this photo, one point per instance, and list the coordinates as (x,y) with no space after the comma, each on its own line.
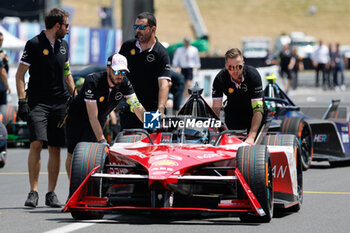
(92,111)
(163,94)
(139,112)
(217,103)
(135,106)
(291,63)
(3,76)
(20,83)
(70,83)
(256,122)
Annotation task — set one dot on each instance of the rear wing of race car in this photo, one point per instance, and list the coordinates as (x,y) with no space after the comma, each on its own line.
(334,111)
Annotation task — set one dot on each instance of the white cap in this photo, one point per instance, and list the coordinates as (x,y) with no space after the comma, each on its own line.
(119,62)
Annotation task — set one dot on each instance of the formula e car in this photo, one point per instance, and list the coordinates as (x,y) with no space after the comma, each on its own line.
(17,130)
(191,163)
(322,139)
(3,145)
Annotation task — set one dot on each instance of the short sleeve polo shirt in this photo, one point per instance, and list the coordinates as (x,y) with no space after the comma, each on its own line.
(46,69)
(96,89)
(146,67)
(238,111)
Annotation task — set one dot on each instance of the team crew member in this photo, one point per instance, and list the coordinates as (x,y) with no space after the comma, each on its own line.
(46,57)
(98,97)
(243,88)
(187,58)
(149,66)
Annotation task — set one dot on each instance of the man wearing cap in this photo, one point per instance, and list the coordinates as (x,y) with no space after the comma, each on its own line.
(187,58)
(99,95)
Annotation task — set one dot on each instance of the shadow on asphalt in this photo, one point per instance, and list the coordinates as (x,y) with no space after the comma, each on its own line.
(171,219)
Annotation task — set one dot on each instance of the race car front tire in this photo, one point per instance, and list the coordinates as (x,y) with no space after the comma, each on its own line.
(290,140)
(87,156)
(254,163)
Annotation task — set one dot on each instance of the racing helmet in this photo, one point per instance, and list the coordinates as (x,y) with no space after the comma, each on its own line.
(195,135)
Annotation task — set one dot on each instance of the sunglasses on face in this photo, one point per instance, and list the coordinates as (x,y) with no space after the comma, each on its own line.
(236,67)
(141,27)
(123,72)
(65,24)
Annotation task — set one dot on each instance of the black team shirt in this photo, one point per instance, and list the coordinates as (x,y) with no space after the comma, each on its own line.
(145,69)
(238,111)
(46,70)
(96,88)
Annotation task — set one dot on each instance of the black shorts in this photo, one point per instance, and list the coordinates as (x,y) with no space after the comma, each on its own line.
(287,73)
(42,123)
(78,131)
(187,73)
(3,97)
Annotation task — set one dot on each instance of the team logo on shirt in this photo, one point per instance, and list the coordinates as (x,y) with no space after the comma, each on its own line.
(150,57)
(230,90)
(118,95)
(132,52)
(63,50)
(244,87)
(45,52)
(89,94)
(101,98)
(25,55)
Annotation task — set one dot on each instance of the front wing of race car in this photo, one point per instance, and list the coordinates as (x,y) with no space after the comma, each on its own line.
(80,201)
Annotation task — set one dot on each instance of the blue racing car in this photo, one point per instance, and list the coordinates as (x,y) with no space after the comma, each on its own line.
(321,139)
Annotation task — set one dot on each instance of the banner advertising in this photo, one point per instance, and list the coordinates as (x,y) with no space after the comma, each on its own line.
(88,46)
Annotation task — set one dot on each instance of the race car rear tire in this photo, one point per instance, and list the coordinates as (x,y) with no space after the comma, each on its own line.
(87,156)
(290,140)
(2,159)
(254,163)
(302,130)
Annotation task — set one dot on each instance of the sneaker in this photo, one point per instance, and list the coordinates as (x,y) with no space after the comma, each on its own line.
(52,201)
(32,200)
(343,87)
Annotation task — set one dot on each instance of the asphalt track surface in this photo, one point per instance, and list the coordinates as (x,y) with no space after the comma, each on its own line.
(326,206)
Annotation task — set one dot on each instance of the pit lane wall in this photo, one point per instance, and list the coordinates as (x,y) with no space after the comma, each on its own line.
(87,46)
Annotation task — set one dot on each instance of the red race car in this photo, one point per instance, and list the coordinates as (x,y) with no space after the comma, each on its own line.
(191,163)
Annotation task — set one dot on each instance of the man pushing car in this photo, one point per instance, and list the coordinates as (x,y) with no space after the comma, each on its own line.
(99,95)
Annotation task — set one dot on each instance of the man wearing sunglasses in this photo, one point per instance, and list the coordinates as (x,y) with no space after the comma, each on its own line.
(100,94)
(43,104)
(149,66)
(243,87)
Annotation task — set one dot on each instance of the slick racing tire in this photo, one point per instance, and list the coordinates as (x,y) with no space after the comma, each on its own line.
(87,156)
(129,138)
(302,130)
(11,115)
(2,159)
(254,163)
(290,140)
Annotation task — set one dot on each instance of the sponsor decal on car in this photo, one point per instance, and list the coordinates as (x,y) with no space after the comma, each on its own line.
(320,138)
(166,162)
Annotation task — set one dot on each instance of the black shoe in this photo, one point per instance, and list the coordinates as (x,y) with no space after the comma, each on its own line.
(52,201)
(32,200)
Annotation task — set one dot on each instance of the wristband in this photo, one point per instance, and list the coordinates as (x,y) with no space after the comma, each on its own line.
(102,141)
(22,101)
